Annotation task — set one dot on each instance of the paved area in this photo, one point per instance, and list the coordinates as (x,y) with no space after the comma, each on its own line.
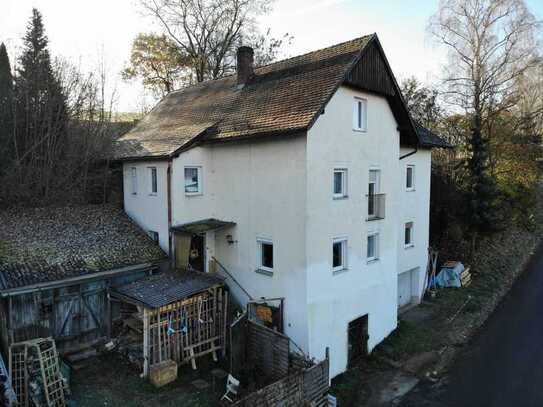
(503,366)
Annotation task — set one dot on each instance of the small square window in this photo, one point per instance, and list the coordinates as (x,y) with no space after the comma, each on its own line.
(134,180)
(373,247)
(410,178)
(360,114)
(340,183)
(339,255)
(265,255)
(193,180)
(408,235)
(153,179)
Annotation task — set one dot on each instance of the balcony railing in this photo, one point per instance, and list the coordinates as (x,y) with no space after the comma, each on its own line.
(376,206)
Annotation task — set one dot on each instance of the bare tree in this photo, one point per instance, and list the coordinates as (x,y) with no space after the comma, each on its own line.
(491,44)
(208,31)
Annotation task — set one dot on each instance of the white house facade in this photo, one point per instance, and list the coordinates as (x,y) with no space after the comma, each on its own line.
(332,217)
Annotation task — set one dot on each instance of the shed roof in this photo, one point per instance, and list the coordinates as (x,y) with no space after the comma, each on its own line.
(162,289)
(40,245)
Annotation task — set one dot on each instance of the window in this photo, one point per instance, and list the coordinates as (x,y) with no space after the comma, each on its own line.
(339,254)
(373,190)
(360,114)
(153,235)
(340,183)
(153,178)
(265,255)
(410,178)
(134,180)
(373,247)
(193,180)
(408,235)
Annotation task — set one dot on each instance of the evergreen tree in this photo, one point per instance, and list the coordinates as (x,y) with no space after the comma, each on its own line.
(6,109)
(41,113)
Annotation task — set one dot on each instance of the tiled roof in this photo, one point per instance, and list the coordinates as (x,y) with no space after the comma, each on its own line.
(282,97)
(42,245)
(165,288)
(428,138)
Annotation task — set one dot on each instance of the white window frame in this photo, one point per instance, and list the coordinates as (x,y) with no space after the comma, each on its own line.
(259,243)
(376,188)
(344,254)
(153,235)
(200,180)
(344,183)
(375,257)
(151,171)
(407,168)
(360,114)
(409,225)
(134,180)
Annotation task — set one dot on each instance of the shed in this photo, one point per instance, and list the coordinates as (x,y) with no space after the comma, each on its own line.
(56,266)
(183,315)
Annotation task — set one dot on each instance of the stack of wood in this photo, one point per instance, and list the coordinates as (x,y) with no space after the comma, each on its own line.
(465,277)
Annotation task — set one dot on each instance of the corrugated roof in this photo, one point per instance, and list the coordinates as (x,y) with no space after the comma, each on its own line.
(165,288)
(282,97)
(40,245)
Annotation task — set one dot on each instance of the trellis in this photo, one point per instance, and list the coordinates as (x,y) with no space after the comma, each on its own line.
(186,329)
(36,361)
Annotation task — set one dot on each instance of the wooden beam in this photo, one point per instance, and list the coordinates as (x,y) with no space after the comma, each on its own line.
(145,342)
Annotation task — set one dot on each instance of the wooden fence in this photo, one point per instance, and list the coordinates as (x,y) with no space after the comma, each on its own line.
(267,351)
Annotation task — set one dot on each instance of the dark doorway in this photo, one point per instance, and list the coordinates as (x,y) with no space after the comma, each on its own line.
(357,340)
(197,252)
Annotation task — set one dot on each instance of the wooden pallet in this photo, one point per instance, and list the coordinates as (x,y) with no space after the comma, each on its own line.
(465,277)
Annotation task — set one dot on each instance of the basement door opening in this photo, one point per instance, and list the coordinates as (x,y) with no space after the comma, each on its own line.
(357,334)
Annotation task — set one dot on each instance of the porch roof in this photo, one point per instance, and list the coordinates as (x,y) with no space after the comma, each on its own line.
(162,289)
(201,226)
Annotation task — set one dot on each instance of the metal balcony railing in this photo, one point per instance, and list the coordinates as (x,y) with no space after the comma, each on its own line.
(376,206)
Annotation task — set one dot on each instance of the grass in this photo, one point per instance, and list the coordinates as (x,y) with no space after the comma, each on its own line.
(110,380)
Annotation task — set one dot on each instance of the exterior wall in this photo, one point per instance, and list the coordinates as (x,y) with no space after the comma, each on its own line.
(364,288)
(261,187)
(415,208)
(149,211)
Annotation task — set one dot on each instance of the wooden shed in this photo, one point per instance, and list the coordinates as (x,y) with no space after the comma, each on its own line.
(183,316)
(58,266)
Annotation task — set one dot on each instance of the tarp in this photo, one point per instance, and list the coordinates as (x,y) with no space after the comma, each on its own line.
(450,276)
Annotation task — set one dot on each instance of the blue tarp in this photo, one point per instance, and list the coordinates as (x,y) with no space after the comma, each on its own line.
(450,276)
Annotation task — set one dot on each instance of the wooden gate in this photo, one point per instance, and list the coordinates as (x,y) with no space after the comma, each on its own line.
(78,312)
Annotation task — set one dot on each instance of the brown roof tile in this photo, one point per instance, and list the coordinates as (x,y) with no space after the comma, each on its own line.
(281,97)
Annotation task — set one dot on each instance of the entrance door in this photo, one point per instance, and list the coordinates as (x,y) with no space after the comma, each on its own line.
(357,340)
(404,289)
(197,252)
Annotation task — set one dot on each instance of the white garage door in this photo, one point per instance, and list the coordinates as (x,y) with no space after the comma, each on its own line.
(404,288)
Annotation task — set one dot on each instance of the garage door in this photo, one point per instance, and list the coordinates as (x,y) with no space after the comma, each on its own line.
(404,288)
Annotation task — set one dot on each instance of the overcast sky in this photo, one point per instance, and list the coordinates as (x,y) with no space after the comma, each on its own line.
(80,29)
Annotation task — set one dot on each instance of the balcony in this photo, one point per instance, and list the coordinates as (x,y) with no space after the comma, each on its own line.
(376,206)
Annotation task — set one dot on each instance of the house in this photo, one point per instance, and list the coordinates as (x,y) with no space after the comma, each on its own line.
(305,180)
(57,266)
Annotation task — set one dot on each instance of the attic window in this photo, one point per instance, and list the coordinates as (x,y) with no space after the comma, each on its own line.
(360,114)
(193,180)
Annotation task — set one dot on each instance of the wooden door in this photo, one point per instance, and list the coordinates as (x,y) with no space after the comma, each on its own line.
(357,340)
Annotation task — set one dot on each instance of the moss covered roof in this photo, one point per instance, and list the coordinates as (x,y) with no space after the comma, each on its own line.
(40,245)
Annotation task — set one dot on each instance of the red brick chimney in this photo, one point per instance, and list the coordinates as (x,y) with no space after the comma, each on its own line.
(245,64)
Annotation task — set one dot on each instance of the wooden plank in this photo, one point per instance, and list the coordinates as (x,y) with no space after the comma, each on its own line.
(146,342)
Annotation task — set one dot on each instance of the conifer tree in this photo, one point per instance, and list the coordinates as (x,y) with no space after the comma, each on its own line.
(6,109)
(41,112)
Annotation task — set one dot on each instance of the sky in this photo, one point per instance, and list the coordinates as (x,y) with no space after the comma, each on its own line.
(83,31)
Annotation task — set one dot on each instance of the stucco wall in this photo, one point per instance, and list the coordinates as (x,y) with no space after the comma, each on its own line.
(365,288)
(261,187)
(415,207)
(149,211)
